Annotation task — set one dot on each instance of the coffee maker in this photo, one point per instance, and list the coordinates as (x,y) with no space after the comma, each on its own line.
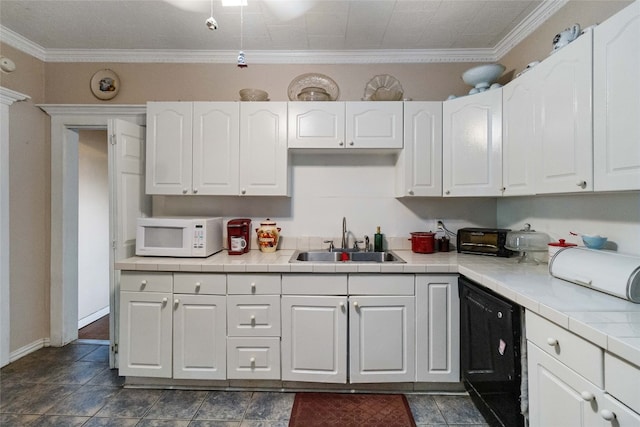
(238,236)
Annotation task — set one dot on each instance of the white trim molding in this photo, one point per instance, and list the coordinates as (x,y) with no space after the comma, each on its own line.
(7,98)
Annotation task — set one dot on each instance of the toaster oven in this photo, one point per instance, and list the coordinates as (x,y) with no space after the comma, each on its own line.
(483,241)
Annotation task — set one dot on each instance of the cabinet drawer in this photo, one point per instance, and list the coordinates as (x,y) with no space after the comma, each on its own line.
(253,358)
(250,284)
(314,284)
(138,281)
(580,355)
(251,316)
(623,416)
(200,283)
(622,380)
(381,284)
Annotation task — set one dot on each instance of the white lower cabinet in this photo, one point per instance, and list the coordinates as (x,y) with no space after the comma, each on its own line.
(381,328)
(314,328)
(253,327)
(145,324)
(437,328)
(558,396)
(199,337)
(314,338)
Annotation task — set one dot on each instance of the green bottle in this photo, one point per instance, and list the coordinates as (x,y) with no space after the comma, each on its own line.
(377,241)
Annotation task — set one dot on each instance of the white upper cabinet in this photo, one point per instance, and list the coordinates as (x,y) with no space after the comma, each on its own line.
(564,119)
(192,148)
(519,147)
(472,145)
(616,101)
(419,165)
(264,161)
(169,148)
(216,149)
(316,125)
(345,125)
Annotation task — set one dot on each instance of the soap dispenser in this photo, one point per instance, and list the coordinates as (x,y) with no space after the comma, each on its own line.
(377,240)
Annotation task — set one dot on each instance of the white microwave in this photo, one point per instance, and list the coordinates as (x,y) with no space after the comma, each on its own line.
(178,237)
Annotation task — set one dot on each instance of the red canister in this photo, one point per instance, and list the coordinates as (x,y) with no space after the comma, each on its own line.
(423,242)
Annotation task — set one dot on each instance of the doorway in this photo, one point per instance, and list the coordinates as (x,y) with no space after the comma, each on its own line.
(93,235)
(66,120)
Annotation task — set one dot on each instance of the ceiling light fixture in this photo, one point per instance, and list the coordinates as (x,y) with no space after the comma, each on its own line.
(211,22)
(242,62)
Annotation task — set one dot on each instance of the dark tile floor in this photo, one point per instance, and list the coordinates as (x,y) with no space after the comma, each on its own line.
(73,386)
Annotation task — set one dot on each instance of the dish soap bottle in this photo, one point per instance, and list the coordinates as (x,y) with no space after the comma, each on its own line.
(377,240)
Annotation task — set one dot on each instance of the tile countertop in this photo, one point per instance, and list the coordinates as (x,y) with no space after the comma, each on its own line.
(607,321)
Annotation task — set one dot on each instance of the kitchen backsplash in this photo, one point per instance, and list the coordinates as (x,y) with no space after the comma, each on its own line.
(360,187)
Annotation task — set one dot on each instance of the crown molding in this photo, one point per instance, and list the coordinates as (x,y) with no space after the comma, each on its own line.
(8,96)
(528,26)
(15,40)
(92,109)
(382,56)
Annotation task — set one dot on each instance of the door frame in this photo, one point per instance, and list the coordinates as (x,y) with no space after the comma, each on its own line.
(65,119)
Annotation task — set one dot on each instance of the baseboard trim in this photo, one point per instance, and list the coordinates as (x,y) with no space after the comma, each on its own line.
(28,349)
(93,317)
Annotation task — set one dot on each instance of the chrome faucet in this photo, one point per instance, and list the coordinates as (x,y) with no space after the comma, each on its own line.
(344,232)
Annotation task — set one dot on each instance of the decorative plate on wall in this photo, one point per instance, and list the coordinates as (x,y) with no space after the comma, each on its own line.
(105,84)
(316,81)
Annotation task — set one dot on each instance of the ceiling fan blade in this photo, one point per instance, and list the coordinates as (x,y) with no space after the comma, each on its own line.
(285,10)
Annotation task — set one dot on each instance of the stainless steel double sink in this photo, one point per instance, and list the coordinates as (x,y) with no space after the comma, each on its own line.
(338,256)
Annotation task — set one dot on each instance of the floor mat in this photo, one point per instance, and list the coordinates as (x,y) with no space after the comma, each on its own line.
(351,410)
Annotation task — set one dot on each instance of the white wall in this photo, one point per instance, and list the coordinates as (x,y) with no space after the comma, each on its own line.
(326,187)
(93,227)
(616,216)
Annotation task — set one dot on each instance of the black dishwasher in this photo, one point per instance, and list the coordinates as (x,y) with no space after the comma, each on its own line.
(490,358)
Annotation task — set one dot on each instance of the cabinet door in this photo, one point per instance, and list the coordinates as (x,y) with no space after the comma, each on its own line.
(145,334)
(314,339)
(381,339)
(616,101)
(437,329)
(472,145)
(316,124)
(216,148)
(518,136)
(374,124)
(199,337)
(558,396)
(564,126)
(419,166)
(169,148)
(264,165)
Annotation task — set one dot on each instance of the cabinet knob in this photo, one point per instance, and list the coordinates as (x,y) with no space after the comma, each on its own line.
(197,286)
(503,189)
(243,191)
(351,143)
(607,415)
(341,304)
(355,304)
(195,191)
(581,184)
(165,301)
(552,341)
(143,283)
(184,191)
(410,191)
(252,360)
(253,288)
(587,395)
(447,192)
(252,319)
(341,143)
(176,302)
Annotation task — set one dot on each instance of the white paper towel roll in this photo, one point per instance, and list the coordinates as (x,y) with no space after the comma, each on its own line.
(606,271)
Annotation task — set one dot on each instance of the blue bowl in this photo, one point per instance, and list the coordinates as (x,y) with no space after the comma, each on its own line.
(594,242)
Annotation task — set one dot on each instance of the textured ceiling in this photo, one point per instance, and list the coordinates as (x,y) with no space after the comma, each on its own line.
(327,25)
